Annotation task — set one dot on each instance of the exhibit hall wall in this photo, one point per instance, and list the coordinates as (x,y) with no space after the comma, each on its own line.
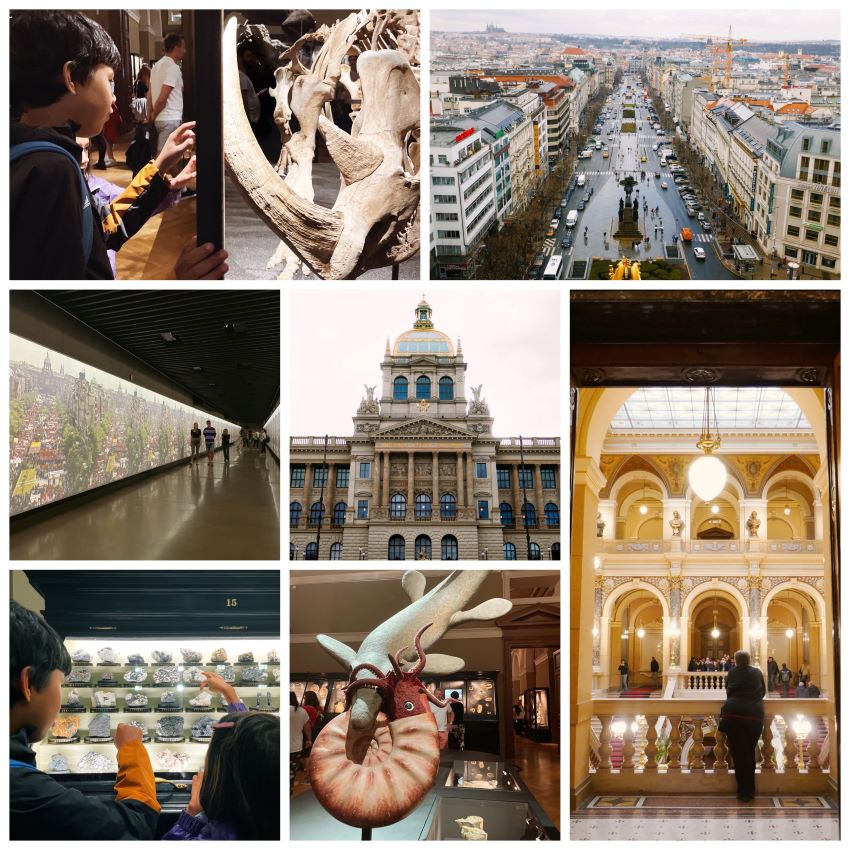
(273,429)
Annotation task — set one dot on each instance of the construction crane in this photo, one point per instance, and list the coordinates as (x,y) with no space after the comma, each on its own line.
(727,44)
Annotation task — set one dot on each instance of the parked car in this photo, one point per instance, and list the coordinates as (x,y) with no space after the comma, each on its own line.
(663,184)
(706,226)
(699,253)
(654,148)
(554,223)
(558,213)
(567,241)
(550,232)
(580,206)
(690,211)
(586,198)
(563,202)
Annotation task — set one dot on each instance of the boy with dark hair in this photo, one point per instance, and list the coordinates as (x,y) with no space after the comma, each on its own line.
(62,68)
(41,807)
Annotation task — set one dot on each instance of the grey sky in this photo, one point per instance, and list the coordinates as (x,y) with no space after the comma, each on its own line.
(755,24)
(510,342)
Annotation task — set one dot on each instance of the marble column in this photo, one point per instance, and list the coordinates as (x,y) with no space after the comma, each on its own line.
(410,494)
(461,501)
(470,482)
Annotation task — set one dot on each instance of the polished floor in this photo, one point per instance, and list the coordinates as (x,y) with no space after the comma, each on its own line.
(541,772)
(207,512)
(719,818)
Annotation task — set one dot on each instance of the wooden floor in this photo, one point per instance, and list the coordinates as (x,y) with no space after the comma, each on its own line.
(541,772)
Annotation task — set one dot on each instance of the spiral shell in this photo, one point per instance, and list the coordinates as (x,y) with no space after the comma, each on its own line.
(375,777)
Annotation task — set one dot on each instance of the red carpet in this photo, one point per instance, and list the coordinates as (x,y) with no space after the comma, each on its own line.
(641,692)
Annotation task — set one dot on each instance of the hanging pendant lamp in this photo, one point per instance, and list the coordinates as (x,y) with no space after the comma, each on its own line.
(707,475)
(643,508)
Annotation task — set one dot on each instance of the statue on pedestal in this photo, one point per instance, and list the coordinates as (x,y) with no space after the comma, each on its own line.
(753,524)
(677,524)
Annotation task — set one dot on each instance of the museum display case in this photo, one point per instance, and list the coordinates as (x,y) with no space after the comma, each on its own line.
(138,641)
(536,714)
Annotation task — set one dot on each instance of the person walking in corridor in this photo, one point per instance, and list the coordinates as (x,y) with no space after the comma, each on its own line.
(209,439)
(772,673)
(195,442)
(742,719)
(785,679)
(654,669)
(225,445)
(623,670)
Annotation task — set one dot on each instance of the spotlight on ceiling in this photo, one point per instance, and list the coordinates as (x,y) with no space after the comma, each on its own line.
(197,368)
(168,337)
(715,509)
(235,328)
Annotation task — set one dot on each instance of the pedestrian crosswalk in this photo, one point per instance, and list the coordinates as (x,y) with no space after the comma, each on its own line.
(548,246)
(703,237)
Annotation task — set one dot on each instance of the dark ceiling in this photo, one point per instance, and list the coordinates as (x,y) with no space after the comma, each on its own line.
(241,367)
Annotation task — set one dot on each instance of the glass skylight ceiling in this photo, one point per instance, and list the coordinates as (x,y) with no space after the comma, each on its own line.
(681,408)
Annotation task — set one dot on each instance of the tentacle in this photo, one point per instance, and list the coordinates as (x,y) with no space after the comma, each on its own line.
(380,684)
(420,664)
(370,667)
(396,663)
(432,698)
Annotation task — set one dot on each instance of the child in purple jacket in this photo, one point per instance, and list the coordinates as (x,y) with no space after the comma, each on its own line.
(236,795)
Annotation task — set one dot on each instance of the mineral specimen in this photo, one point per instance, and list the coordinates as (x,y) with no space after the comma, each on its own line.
(107,679)
(104,699)
(58,764)
(190,656)
(108,655)
(73,697)
(472,828)
(272,657)
(170,727)
(161,656)
(254,674)
(171,760)
(202,728)
(218,656)
(99,727)
(228,673)
(93,762)
(168,698)
(166,675)
(139,724)
(136,700)
(82,675)
(192,675)
(276,675)
(65,726)
(135,658)
(202,700)
(246,658)
(135,676)
(80,656)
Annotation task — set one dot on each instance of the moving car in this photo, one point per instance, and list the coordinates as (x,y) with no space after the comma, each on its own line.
(599,146)
(643,157)
(567,241)
(687,234)
(706,226)
(605,153)
(655,148)
(554,223)
(550,232)
(663,184)
(586,198)
(582,179)
(580,206)
(563,202)
(699,253)
(572,217)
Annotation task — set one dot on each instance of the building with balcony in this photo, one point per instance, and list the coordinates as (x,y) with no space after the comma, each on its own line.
(665,571)
(422,476)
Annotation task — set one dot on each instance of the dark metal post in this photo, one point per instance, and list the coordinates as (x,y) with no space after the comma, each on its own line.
(524,503)
(209,131)
(322,497)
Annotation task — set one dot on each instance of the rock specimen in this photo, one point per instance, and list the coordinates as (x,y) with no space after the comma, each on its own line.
(202,728)
(79,676)
(135,676)
(190,656)
(65,726)
(135,658)
(139,724)
(170,727)
(161,656)
(228,673)
(272,657)
(107,679)
(108,655)
(472,828)
(136,700)
(80,656)
(104,699)
(276,675)
(166,676)
(254,674)
(93,762)
(58,764)
(73,698)
(218,656)
(168,698)
(202,700)
(246,658)
(171,760)
(192,676)
(99,727)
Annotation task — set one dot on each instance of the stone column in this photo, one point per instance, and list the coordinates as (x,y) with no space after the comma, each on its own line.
(673,662)
(385,483)
(461,502)
(410,494)
(470,483)
(352,467)
(308,488)
(517,495)
(597,621)
(435,486)
(494,487)
(376,480)
(538,495)
(330,492)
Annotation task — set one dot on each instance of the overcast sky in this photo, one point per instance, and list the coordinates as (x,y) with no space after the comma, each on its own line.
(510,342)
(758,25)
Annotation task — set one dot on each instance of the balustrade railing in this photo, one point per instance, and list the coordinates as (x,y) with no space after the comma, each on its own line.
(703,681)
(732,547)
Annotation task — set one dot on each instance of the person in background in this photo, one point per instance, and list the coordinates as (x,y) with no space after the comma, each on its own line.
(772,673)
(40,808)
(457,727)
(299,732)
(195,443)
(225,445)
(441,715)
(801,690)
(785,679)
(245,59)
(623,670)
(654,669)
(236,796)
(264,441)
(167,88)
(814,690)
(313,708)
(209,439)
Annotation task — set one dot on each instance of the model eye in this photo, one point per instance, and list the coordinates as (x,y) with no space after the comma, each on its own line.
(408,706)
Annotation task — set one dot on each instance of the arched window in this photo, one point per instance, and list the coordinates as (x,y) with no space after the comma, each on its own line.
(423,387)
(395,548)
(423,506)
(291,551)
(339,513)
(448,548)
(448,506)
(556,551)
(317,513)
(400,388)
(534,551)
(294,513)
(447,388)
(529,515)
(311,553)
(336,552)
(509,552)
(398,506)
(553,517)
(422,548)
(506,514)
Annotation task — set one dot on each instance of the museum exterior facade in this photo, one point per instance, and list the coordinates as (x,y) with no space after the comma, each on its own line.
(422,476)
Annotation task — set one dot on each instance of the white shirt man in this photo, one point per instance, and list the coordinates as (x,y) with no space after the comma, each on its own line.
(167,89)
(441,715)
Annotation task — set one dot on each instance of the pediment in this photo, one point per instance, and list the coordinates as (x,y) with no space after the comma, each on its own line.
(530,615)
(424,427)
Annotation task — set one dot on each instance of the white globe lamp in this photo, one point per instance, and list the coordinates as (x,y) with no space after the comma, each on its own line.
(707,475)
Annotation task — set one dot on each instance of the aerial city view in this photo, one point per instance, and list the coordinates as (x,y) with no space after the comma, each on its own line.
(635,145)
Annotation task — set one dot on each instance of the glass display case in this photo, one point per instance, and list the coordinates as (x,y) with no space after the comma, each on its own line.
(481,698)
(483,774)
(536,714)
(464,819)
